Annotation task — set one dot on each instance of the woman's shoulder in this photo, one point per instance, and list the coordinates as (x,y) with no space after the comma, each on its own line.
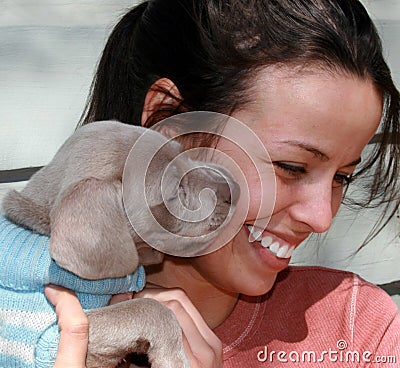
(342,292)
(314,309)
(320,282)
(324,276)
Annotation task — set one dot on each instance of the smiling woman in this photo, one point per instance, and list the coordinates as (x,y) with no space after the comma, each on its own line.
(314,90)
(314,148)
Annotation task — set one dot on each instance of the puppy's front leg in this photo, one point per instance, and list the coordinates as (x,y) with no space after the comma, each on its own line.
(135,326)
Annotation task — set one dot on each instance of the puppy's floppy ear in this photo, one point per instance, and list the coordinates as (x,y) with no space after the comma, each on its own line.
(148,255)
(90,234)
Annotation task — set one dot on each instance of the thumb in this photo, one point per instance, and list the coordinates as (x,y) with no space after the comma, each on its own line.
(74,328)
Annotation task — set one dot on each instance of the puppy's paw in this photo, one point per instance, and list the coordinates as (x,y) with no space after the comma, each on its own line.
(140,326)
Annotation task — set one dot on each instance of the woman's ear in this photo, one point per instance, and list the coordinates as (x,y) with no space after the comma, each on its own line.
(163,94)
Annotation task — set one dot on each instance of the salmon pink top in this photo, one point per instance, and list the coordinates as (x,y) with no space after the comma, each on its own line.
(313,317)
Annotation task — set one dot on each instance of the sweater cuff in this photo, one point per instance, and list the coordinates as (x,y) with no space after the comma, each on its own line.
(111,286)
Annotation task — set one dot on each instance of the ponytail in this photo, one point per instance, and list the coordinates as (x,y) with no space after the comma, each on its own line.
(115,82)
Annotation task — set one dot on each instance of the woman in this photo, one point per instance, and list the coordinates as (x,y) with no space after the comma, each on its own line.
(308,77)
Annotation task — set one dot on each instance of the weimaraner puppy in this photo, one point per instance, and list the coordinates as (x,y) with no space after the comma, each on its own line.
(77,200)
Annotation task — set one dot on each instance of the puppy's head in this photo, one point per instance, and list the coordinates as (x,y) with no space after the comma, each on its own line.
(182,204)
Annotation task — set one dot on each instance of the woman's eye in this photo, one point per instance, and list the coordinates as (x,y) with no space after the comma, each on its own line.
(291,169)
(342,180)
(339,180)
(294,171)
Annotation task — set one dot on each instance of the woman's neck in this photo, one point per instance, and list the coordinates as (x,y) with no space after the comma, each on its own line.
(213,303)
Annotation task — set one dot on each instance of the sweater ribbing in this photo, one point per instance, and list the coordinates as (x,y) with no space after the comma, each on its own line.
(28,330)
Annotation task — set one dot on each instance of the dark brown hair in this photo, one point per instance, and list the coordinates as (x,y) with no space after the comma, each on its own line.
(212,50)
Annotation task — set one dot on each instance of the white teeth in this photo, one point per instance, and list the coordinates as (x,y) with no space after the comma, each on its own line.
(285,251)
(290,252)
(257,235)
(281,251)
(254,234)
(274,247)
(266,242)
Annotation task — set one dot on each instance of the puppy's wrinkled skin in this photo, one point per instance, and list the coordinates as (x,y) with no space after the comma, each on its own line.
(77,201)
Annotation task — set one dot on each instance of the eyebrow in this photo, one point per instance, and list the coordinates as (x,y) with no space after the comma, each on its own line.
(317,153)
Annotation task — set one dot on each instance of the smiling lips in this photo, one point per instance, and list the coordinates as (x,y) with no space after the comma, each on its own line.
(279,249)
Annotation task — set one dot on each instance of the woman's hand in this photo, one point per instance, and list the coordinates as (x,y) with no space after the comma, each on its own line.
(202,346)
(74,328)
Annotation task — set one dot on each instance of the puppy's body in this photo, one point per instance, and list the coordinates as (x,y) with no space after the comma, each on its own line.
(77,201)
(98,151)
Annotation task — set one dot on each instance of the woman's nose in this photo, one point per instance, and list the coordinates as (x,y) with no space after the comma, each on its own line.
(313,206)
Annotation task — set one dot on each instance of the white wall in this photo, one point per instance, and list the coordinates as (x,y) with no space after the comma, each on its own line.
(48,52)
(386,14)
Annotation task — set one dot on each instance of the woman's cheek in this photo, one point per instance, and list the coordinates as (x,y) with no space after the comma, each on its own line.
(262,196)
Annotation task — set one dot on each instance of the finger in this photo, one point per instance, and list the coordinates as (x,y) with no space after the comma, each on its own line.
(165,295)
(196,346)
(200,341)
(74,328)
(195,359)
(199,352)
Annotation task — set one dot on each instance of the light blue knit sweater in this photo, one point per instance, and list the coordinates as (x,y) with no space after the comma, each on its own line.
(28,329)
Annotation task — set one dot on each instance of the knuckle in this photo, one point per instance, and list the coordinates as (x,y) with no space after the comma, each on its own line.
(174,305)
(217,344)
(77,328)
(178,294)
(215,353)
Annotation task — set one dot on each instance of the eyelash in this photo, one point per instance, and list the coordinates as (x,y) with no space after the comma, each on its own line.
(296,171)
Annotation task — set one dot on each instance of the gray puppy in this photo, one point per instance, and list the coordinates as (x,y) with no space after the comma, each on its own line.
(77,200)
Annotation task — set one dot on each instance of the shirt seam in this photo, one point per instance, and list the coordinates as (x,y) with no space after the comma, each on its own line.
(353,308)
(247,330)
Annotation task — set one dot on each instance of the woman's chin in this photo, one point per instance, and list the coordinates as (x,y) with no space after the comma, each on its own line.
(260,287)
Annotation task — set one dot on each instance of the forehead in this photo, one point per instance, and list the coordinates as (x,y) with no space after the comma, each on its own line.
(317,107)
(317,90)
